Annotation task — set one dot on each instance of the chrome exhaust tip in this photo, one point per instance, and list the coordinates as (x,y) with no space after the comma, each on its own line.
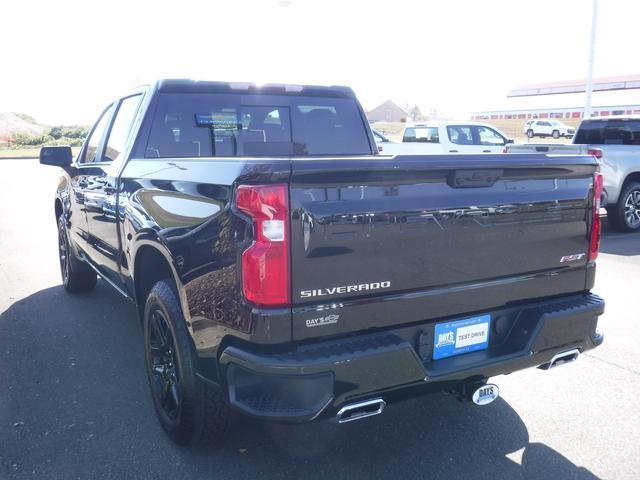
(562,358)
(360,410)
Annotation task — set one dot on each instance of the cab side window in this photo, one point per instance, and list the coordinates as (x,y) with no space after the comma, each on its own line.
(91,153)
(488,136)
(460,134)
(121,128)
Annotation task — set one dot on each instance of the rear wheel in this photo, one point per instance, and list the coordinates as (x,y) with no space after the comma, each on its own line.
(189,410)
(530,133)
(555,134)
(76,276)
(624,216)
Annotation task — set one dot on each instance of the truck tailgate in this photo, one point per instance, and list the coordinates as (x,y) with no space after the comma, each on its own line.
(384,241)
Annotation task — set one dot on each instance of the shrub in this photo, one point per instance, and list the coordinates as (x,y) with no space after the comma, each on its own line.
(24,139)
(71,131)
(72,135)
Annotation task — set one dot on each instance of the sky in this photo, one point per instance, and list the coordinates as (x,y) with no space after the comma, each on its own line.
(62,61)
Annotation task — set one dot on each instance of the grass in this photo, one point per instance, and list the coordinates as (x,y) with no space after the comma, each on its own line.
(20,153)
(26,152)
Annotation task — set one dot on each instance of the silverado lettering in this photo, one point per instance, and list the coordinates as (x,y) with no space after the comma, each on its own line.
(346,289)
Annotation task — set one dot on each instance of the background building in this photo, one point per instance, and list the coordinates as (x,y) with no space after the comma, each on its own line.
(564,101)
(387,112)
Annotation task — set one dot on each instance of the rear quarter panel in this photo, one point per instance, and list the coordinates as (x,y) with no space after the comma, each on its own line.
(182,207)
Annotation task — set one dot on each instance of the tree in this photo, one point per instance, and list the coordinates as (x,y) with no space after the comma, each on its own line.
(414,113)
(56,132)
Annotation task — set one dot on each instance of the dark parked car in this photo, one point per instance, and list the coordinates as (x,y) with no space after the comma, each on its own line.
(285,270)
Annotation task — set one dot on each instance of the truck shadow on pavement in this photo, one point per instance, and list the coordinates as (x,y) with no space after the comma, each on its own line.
(74,403)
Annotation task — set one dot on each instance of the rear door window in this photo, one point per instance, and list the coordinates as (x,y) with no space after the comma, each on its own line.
(120,129)
(228,125)
(609,132)
(460,134)
(92,151)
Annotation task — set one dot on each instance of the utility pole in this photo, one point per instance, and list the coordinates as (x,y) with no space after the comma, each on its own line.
(592,48)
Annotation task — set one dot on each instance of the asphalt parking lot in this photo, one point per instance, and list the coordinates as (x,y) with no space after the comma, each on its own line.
(74,401)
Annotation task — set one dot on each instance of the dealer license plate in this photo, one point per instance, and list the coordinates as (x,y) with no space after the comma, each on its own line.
(461,336)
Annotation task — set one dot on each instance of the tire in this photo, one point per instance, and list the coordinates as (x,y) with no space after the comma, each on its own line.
(555,134)
(624,216)
(77,277)
(530,133)
(190,411)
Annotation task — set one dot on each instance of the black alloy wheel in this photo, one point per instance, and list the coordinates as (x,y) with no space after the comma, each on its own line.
(165,383)
(190,409)
(77,276)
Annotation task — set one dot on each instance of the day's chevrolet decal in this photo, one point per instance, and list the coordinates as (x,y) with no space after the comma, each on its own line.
(320,321)
(363,287)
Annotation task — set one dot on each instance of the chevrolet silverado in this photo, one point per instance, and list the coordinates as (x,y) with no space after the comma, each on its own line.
(284,269)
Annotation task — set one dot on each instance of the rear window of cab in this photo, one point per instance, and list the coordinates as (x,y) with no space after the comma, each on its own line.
(421,135)
(189,125)
(609,132)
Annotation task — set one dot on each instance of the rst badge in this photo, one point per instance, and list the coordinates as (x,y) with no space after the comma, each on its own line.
(572,258)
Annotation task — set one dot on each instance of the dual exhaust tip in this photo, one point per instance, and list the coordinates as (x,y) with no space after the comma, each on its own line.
(360,410)
(479,393)
(562,358)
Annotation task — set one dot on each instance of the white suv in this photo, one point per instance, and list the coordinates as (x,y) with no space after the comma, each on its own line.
(548,128)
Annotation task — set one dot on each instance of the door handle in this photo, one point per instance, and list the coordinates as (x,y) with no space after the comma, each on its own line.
(486,151)
(453,151)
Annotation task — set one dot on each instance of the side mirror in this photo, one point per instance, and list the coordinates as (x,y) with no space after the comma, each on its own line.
(509,140)
(58,156)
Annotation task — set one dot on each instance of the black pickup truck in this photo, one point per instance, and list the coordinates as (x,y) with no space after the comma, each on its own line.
(282,268)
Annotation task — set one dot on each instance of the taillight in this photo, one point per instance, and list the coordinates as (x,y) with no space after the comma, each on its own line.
(265,264)
(594,243)
(595,152)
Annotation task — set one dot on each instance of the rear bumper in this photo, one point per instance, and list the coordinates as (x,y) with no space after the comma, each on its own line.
(315,380)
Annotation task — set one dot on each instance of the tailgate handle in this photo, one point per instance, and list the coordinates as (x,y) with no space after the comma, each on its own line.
(542,149)
(473,178)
